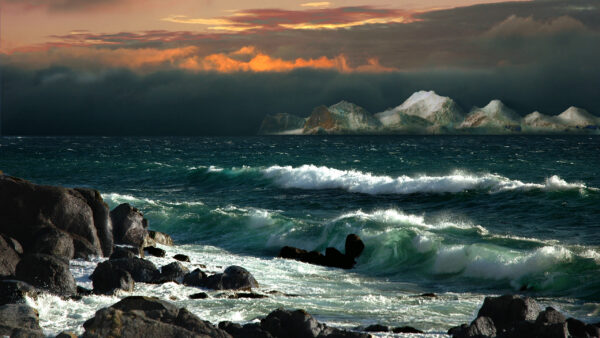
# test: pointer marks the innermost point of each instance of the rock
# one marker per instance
(293, 324)
(173, 272)
(252, 330)
(81, 291)
(556, 330)
(406, 329)
(199, 295)
(139, 316)
(19, 320)
(26, 207)
(312, 257)
(334, 258)
(194, 278)
(54, 242)
(83, 248)
(233, 278)
(480, 327)
(9, 257)
(124, 252)
(129, 225)
(160, 238)
(107, 278)
(141, 270)
(376, 328)
(14, 291)
(251, 295)
(66, 334)
(102, 220)
(182, 258)
(577, 329)
(48, 273)
(154, 251)
(428, 295)
(354, 246)
(14, 244)
(550, 316)
(508, 309)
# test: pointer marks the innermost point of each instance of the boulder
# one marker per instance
(139, 316)
(47, 272)
(199, 295)
(19, 320)
(9, 257)
(173, 272)
(160, 238)
(154, 251)
(66, 334)
(123, 252)
(299, 324)
(252, 330)
(102, 220)
(182, 258)
(141, 270)
(406, 329)
(577, 328)
(233, 278)
(26, 207)
(301, 255)
(15, 291)
(550, 316)
(129, 225)
(505, 310)
(54, 242)
(194, 278)
(334, 258)
(107, 278)
(354, 246)
(376, 328)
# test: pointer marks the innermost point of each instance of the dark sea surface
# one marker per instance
(460, 216)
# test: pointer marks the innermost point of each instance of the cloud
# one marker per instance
(515, 26)
(63, 5)
(316, 4)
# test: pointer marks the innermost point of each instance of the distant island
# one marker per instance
(426, 112)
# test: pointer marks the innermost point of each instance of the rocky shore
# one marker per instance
(43, 228)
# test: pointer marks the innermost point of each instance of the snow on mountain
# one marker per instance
(493, 118)
(440, 111)
(538, 122)
(579, 118)
(342, 117)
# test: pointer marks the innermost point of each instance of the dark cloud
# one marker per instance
(64, 5)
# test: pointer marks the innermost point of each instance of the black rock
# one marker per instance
(505, 310)
(354, 246)
(577, 329)
(199, 295)
(251, 295)
(428, 295)
(107, 278)
(182, 258)
(54, 242)
(140, 269)
(233, 278)
(173, 272)
(406, 329)
(194, 278)
(124, 252)
(480, 327)
(47, 272)
(334, 258)
(9, 257)
(19, 320)
(293, 324)
(15, 291)
(550, 316)
(301, 255)
(102, 220)
(129, 225)
(81, 291)
(154, 251)
(376, 328)
(252, 330)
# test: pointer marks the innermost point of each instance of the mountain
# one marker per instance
(493, 118)
(578, 118)
(340, 118)
(438, 111)
(281, 123)
(538, 122)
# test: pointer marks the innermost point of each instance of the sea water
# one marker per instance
(463, 217)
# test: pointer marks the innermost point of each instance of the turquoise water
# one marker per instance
(461, 216)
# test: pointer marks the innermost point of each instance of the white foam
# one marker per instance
(309, 176)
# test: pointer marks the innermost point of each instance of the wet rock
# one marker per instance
(182, 258)
(376, 328)
(160, 238)
(47, 272)
(301, 255)
(550, 316)
(505, 310)
(354, 246)
(66, 334)
(124, 252)
(9, 257)
(107, 278)
(102, 221)
(577, 329)
(252, 330)
(406, 329)
(173, 272)
(251, 295)
(81, 291)
(154, 251)
(332, 257)
(194, 278)
(233, 278)
(299, 324)
(140, 269)
(199, 295)
(428, 295)
(129, 225)
(480, 327)
(54, 242)
(15, 291)
(19, 320)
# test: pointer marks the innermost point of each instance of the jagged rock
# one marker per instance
(160, 238)
(173, 272)
(15, 291)
(48, 273)
(27, 207)
(107, 278)
(199, 295)
(301, 255)
(102, 221)
(154, 251)
(194, 278)
(406, 329)
(252, 330)
(354, 246)
(182, 258)
(332, 257)
(138, 316)
(54, 242)
(233, 278)
(9, 257)
(124, 252)
(129, 225)
(550, 316)
(507, 309)
(19, 320)
(376, 328)
(140, 269)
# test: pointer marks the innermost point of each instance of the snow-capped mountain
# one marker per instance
(342, 117)
(538, 122)
(493, 118)
(579, 118)
(427, 105)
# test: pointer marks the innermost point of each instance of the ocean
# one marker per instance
(463, 217)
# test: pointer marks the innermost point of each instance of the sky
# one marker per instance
(208, 67)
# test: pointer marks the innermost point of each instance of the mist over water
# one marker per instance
(463, 217)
